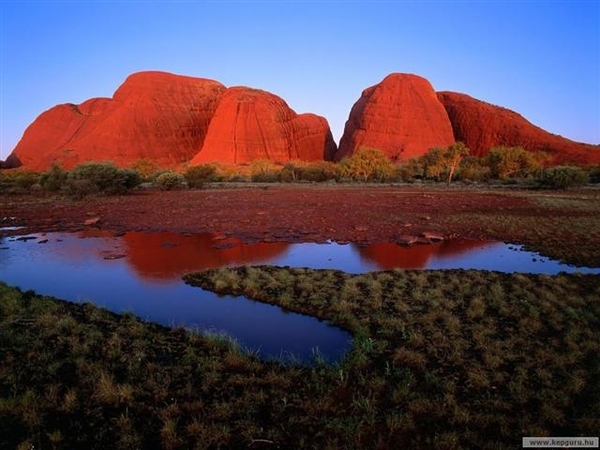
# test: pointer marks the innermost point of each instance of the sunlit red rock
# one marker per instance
(154, 116)
(400, 116)
(482, 126)
(252, 124)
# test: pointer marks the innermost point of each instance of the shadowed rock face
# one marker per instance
(482, 126)
(253, 124)
(401, 116)
(153, 115)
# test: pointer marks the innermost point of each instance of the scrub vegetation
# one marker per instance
(505, 165)
(440, 359)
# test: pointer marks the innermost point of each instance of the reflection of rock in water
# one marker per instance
(169, 255)
(389, 256)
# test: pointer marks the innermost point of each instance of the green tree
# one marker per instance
(433, 163)
(367, 164)
(452, 157)
(511, 162)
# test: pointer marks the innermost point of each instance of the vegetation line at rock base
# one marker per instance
(508, 165)
(441, 359)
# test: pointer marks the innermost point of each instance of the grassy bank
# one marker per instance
(442, 359)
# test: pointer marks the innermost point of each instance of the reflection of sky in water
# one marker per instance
(75, 268)
(325, 256)
(504, 258)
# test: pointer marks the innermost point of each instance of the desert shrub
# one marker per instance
(26, 180)
(196, 176)
(263, 170)
(144, 168)
(168, 181)
(54, 179)
(80, 189)
(320, 171)
(106, 177)
(473, 169)
(291, 171)
(19, 181)
(409, 170)
(132, 178)
(367, 164)
(562, 177)
(511, 162)
(317, 171)
(594, 174)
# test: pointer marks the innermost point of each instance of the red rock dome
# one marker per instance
(155, 116)
(401, 116)
(253, 124)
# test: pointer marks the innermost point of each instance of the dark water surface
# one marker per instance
(141, 273)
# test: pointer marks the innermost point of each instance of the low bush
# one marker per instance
(408, 171)
(594, 174)
(105, 177)
(562, 177)
(473, 169)
(263, 170)
(54, 179)
(18, 181)
(144, 168)
(80, 189)
(196, 176)
(320, 171)
(168, 181)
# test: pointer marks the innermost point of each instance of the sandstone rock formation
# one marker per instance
(171, 119)
(401, 116)
(482, 126)
(253, 124)
(155, 116)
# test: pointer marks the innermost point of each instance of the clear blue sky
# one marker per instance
(539, 58)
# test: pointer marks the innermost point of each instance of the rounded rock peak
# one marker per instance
(401, 116)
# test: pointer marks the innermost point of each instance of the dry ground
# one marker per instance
(560, 224)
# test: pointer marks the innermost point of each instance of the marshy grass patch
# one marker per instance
(440, 359)
(509, 342)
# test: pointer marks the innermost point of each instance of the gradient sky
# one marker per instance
(539, 58)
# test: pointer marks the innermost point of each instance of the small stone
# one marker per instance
(91, 221)
(432, 237)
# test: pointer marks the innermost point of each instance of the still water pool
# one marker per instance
(141, 273)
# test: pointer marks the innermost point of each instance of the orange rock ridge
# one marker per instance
(482, 126)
